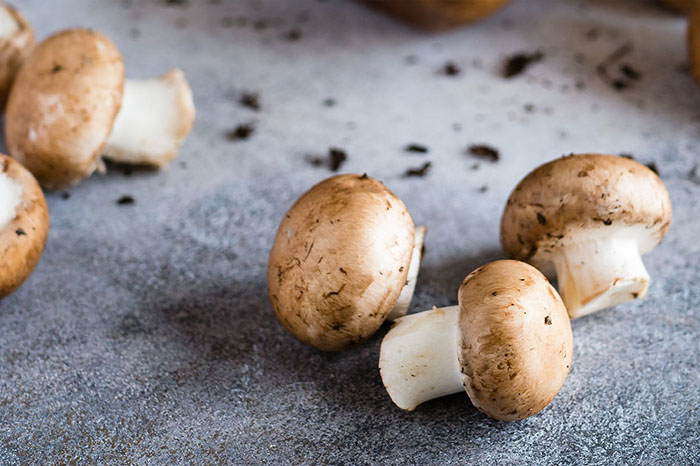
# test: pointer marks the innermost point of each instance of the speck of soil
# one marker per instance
(335, 159)
(630, 72)
(20, 232)
(329, 102)
(627, 155)
(418, 171)
(483, 189)
(126, 200)
(451, 69)
(485, 152)
(417, 148)
(250, 100)
(653, 167)
(176, 2)
(517, 64)
(548, 320)
(541, 219)
(626, 72)
(293, 35)
(241, 132)
(65, 195)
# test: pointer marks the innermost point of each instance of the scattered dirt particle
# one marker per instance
(630, 72)
(20, 232)
(176, 2)
(56, 69)
(541, 219)
(519, 63)
(548, 320)
(484, 151)
(335, 159)
(329, 102)
(417, 148)
(483, 189)
(293, 35)
(241, 132)
(451, 69)
(419, 171)
(653, 167)
(627, 155)
(603, 69)
(250, 100)
(126, 200)
(65, 195)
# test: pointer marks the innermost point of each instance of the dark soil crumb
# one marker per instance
(519, 63)
(126, 200)
(548, 320)
(451, 69)
(335, 159)
(694, 176)
(652, 166)
(541, 219)
(627, 155)
(483, 189)
(20, 232)
(417, 148)
(241, 132)
(65, 195)
(623, 81)
(418, 172)
(484, 151)
(329, 102)
(176, 2)
(293, 35)
(250, 100)
(529, 108)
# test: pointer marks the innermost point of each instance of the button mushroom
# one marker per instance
(16, 42)
(345, 258)
(508, 344)
(439, 14)
(24, 224)
(70, 105)
(590, 216)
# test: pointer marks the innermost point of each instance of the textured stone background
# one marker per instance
(145, 335)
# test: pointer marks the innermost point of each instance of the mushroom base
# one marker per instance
(156, 117)
(599, 273)
(418, 360)
(404, 301)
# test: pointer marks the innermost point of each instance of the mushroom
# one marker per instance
(345, 258)
(438, 14)
(70, 106)
(508, 344)
(591, 217)
(24, 224)
(16, 42)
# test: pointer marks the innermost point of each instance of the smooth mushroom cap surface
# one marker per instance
(516, 342)
(63, 104)
(438, 14)
(16, 43)
(339, 261)
(580, 192)
(24, 224)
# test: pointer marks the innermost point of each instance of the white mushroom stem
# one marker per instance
(155, 118)
(418, 359)
(404, 301)
(10, 198)
(8, 22)
(600, 272)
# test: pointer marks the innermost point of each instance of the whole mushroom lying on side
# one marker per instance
(16, 43)
(345, 258)
(70, 106)
(438, 14)
(590, 216)
(24, 224)
(508, 344)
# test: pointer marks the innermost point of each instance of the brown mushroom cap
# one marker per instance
(23, 238)
(339, 261)
(516, 342)
(438, 14)
(13, 51)
(63, 104)
(580, 192)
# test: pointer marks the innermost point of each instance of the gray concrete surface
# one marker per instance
(145, 335)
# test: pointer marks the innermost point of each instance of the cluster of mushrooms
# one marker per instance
(68, 106)
(346, 258)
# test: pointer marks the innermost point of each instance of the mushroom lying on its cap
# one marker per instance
(508, 344)
(438, 14)
(16, 43)
(24, 224)
(70, 105)
(344, 258)
(591, 216)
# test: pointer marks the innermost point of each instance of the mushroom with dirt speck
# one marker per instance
(590, 217)
(24, 224)
(345, 258)
(16, 43)
(508, 344)
(70, 105)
